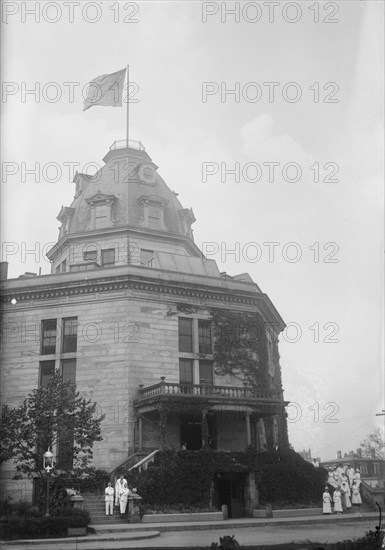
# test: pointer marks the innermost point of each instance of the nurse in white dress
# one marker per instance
(327, 502)
(337, 502)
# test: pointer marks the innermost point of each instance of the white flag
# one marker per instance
(105, 90)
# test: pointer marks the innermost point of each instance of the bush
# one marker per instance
(287, 478)
(56, 526)
(6, 507)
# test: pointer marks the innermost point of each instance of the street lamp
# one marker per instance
(47, 465)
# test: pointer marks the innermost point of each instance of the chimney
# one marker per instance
(3, 271)
(359, 452)
(339, 455)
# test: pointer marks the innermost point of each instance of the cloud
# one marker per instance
(259, 141)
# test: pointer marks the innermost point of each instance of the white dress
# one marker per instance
(356, 497)
(337, 501)
(327, 506)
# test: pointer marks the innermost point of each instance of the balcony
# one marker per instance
(150, 397)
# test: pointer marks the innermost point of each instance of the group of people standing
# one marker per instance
(121, 493)
(342, 489)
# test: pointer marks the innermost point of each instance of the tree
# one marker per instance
(53, 416)
(374, 445)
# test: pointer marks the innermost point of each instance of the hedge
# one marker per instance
(31, 527)
(286, 478)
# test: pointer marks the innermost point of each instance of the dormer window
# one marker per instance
(101, 210)
(154, 217)
(101, 216)
(153, 212)
(64, 217)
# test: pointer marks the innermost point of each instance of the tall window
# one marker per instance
(48, 338)
(47, 369)
(154, 217)
(185, 335)
(204, 336)
(101, 216)
(186, 371)
(108, 257)
(70, 335)
(206, 372)
(68, 370)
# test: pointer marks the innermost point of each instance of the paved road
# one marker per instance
(274, 534)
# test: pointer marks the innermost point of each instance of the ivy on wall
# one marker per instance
(185, 477)
(240, 346)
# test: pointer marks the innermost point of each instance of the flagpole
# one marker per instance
(127, 126)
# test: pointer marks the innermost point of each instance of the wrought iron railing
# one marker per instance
(122, 144)
(206, 390)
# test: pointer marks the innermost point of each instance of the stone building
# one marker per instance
(147, 327)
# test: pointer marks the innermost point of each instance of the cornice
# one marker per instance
(65, 285)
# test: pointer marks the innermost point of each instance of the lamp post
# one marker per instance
(47, 465)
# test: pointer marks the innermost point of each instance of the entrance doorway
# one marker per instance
(229, 489)
(191, 431)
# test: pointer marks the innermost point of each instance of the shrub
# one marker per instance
(6, 507)
(56, 526)
(288, 478)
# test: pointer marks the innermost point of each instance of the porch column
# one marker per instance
(248, 432)
(140, 433)
(163, 427)
(205, 430)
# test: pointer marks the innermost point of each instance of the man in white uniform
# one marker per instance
(118, 488)
(109, 498)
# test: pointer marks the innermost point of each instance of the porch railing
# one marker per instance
(206, 390)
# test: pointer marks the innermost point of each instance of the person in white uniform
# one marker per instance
(123, 498)
(109, 499)
(337, 502)
(118, 487)
(327, 502)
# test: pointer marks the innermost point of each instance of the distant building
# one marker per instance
(306, 455)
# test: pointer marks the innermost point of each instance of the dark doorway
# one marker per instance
(191, 431)
(229, 488)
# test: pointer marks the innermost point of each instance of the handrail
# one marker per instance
(146, 460)
(132, 144)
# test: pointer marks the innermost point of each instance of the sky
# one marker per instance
(268, 122)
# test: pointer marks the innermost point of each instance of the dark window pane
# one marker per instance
(185, 335)
(206, 372)
(68, 370)
(186, 371)
(48, 340)
(70, 335)
(108, 256)
(205, 340)
(47, 369)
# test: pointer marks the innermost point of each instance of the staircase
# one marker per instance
(95, 504)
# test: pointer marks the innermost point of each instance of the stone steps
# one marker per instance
(95, 504)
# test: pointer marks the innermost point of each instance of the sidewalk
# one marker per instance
(184, 534)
